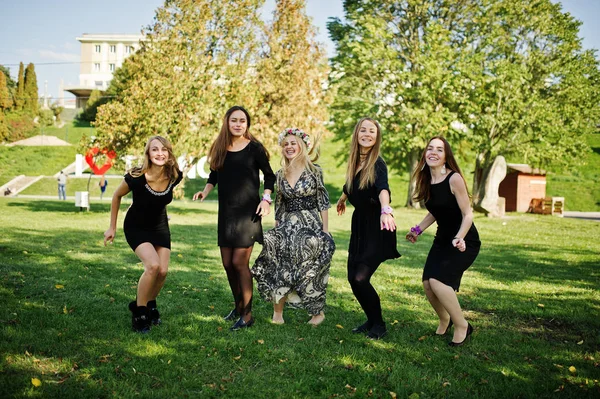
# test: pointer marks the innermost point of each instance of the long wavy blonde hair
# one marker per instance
(305, 157)
(171, 168)
(367, 176)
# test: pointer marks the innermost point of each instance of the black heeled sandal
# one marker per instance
(469, 332)
(447, 329)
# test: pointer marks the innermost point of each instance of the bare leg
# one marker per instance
(164, 255)
(448, 299)
(438, 307)
(151, 260)
(278, 311)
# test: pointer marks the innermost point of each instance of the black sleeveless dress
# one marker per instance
(445, 263)
(368, 243)
(146, 219)
(239, 183)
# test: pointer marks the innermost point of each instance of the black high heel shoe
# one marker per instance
(232, 315)
(469, 332)
(447, 329)
(242, 324)
(363, 328)
(378, 331)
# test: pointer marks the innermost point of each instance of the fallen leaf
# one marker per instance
(350, 387)
(25, 252)
(540, 305)
(179, 255)
(65, 310)
(339, 326)
(59, 286)
(580, 342)
(211, 307)
(237, 357)
(413, 395)
(423, 338)
(394, 322)
(341, 341)
(36, 382)
(445, 384)
(261, 341)
(393, 395)
(572, 370)
(169, 362)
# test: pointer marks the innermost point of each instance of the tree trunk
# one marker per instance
(413, 160)
(486, 182)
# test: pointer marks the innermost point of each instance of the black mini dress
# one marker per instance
(239, 184)
(368, 243)
(146, 219)
(445, 263)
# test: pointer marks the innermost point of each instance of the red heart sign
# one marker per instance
(89, 158)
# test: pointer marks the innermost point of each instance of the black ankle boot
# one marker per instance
(363, 328)
(378, 331)
(154, 315)
(140, 320)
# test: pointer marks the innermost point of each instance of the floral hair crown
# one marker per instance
(295, 132)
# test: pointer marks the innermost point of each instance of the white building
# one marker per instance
(101, 55)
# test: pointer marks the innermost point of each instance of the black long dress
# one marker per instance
(239, 183)
(445, 263)
(368, 243)
(146, 219)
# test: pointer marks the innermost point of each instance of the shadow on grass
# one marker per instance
(65, 320)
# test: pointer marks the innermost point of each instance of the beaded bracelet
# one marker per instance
(387, 210)
(267, 198)
(417, 230)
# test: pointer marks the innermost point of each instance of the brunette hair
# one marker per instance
(422, 174)
(218, 149)
(171, 168)
(367, 176)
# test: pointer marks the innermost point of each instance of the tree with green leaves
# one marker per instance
(5, 97)
(20, 93)
(396, 62)
(291, 75)
(532, 92)
(196, 61)
(31, 103)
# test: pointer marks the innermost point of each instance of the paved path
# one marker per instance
(583, 215)
(40, 141)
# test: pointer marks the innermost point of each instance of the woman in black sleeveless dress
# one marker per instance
(373, 231)
(236, 158)
(146, 227)
(441, 185)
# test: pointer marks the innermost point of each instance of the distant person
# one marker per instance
(373, 229)
(146, 226)
(440, 183)
(62, 186)
(102, 184)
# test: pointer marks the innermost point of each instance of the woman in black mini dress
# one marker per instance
(440, 183)
(373, 231)
(146, 227)
(236, 158)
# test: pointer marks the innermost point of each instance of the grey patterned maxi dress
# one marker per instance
(296, 255)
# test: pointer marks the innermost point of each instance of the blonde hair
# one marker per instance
(171, 168)
(367, 176)
(305, 157)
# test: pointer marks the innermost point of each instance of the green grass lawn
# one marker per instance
(532, 295)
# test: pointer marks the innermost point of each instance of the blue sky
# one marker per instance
(45, 32)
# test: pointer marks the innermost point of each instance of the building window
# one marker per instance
(111, 67)
(96, 67)
(113, 48)
(98, 48)
(98, 83)
(128, 49)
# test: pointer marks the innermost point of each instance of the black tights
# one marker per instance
(236, 263)
(359, 277)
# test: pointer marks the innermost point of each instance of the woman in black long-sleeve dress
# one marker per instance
(146, 226)
(456, 243)
(236, 158)
(373, 231)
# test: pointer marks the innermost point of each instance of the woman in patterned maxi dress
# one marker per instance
(294, 263)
